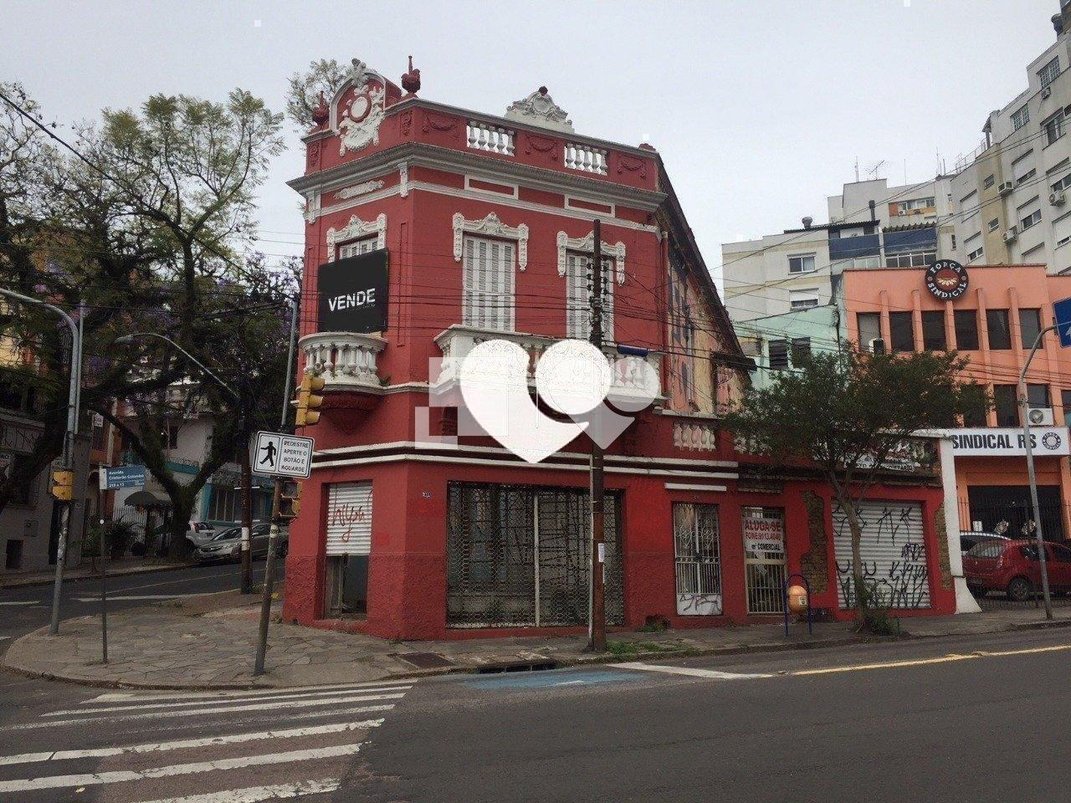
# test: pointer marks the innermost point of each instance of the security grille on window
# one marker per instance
(1020, 118)
(698, 559)
(487, 284)
(1048, 73)
(578, 280)
(801, 263)
(357, 247)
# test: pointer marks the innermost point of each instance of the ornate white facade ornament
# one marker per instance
(312, 206)
(540, 109)
(359, 119)
(403, 180)
(492, 227)
(356, 229)
(587, 245)
(360, 189)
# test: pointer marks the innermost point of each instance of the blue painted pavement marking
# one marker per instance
(548, 679)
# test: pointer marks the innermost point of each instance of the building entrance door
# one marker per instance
(764, 558)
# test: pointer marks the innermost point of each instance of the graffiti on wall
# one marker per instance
(698, 604)
(892, 552)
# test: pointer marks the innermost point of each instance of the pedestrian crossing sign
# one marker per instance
(283, 455)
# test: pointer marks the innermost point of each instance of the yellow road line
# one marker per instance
(928, 661)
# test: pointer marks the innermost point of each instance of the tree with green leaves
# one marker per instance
(324, 77)
(147, 218)
(846, 414)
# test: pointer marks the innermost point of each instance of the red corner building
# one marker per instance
(431, 229)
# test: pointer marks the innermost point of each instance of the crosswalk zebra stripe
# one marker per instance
(194, 768)
(135, 705)
(134, 696)
(338, 712)
(183, 744)
(255, 794)
(206, 711)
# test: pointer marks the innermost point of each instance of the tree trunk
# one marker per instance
(860, 595)
(181, 510)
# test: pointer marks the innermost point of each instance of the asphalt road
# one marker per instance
(972, 718)
(26, 609)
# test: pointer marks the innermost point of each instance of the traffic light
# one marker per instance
(308, 400)
(63, 484)
(290, 499)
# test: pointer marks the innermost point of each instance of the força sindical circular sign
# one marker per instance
(946, 279)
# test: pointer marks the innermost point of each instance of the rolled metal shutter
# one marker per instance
(892, 550)
(349, 518)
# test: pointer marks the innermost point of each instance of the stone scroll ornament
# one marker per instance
(361, 111)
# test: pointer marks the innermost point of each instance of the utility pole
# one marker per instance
(597, 620)
(247, 518)
(1024, 411)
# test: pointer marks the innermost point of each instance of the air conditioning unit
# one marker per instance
(1005, 187)
(1046, 92)
(1011, 234)
(876, 346)
(1057, 197)
(1039, 416)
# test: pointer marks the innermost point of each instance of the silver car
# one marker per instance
(227, 546)
(200, 532)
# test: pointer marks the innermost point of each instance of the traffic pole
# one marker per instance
(269, 579)
(246, 585)
(103, 592)
(597, 623)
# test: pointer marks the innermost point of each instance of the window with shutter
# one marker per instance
(487, 284)
(578, 296)
(357, 247)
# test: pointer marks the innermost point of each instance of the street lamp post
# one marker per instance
(246, 482)
(73, 393)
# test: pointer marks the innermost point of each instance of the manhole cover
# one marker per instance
(425, 660)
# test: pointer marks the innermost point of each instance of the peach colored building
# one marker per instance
(993, 323)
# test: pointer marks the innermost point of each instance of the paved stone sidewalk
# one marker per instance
(209, 642)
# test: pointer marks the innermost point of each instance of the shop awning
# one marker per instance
(146, 499)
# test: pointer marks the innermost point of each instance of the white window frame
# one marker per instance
(976, 254)
(357, 247)
(487, 284)
(803, 298)
(355, 230)
(492, 227)
(1048, 73)
(802, 257)
(1020, 117)
(1053, 127)
(1030, 220)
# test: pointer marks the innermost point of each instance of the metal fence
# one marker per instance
(520, 556)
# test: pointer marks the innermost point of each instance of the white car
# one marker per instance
(200, 532)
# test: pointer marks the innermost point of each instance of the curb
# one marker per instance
(6, 585)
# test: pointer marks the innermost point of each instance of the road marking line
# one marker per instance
(690, 672)
(15, 602)
(225, 709)
(195, 768)
(285, 696)
(341, 712)
(255, 794)
(133, 696)
(183, 744)
(134, 597)
(928, 661)
(1026, 651)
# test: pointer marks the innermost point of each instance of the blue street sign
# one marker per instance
(1062, 311)
(123, 477)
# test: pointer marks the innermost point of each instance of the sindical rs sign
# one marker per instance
(352, 294)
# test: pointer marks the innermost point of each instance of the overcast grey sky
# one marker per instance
(759, 107)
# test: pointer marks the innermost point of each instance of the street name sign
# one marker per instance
(283, 455)
(122, 477)
(1061, 310)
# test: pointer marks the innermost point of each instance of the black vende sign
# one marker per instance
(353, 294)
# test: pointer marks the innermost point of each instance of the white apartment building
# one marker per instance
(1010, 192)
(871, 225)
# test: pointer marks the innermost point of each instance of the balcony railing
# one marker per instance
(493, 138)
(627, 379)
(344, 359)
(698, 435)
(586, 158)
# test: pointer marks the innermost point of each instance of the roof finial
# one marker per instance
(411, 79)
(320, 112)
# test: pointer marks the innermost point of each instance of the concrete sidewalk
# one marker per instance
(209, 642)
(87, 571)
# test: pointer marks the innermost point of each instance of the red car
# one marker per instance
(1013, 567)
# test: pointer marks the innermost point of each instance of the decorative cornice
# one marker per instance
(356, 229)
(403, 180)
(492, 227)
(587, 244)
(540, 109)
(359, 189)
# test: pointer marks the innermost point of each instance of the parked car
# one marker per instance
(200, 532)
(1013, 567)
(227, 545)
(968, 539)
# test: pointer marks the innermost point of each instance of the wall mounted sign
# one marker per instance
(353, 294)
(946, 279)
(1008, 442)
